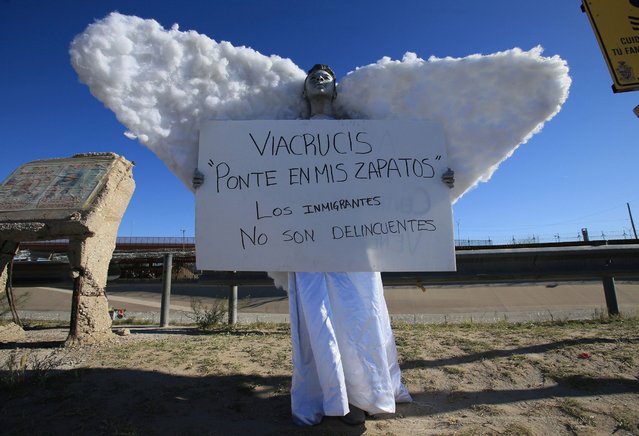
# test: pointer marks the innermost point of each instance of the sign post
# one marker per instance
(616, 26)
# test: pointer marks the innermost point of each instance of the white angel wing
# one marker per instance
(161, 84)
(488, 105)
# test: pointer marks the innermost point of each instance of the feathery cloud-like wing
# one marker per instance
(488, 105)
(161, 84)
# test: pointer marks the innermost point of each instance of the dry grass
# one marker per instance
(508, 379)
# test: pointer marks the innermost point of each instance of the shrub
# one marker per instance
(208, 316)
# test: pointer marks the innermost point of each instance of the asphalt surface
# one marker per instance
(513, 302)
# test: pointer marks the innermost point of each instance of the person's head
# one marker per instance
(320, 82)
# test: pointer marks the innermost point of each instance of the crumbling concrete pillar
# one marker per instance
(7, 252)
(89, 257)
(89, 262)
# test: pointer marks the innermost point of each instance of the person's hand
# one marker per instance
(449, 178)
(198, 178)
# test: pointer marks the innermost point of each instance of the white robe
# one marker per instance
(343, 346)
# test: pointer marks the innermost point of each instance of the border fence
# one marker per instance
(187, 243)
(583, 236)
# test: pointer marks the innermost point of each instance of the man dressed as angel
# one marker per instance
(344, 355)
(164, 84)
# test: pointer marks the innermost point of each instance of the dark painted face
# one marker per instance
(319, 83)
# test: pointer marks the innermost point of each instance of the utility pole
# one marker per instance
(183, 240)
(632, 221)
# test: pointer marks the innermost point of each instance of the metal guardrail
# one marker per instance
(158, 240)
(534, 264)
(603, 262)
(123, 244)
(496, 266)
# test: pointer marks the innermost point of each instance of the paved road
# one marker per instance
(515, 302)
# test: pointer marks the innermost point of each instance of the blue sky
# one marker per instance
(580, 171)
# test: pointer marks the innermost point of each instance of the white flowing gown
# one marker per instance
(343, 346)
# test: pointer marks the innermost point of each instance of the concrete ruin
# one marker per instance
(82, 199)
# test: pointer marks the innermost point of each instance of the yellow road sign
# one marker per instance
(616, 25)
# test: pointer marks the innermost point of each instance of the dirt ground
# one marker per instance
(517, 379)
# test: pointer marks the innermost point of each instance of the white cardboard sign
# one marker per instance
(323, 195)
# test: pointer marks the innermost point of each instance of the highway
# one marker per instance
(514, 302)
